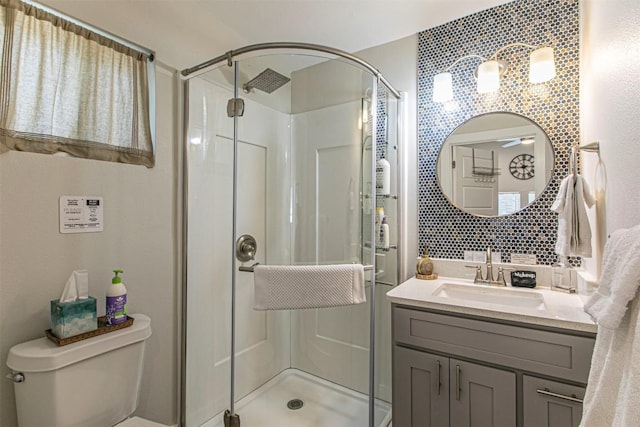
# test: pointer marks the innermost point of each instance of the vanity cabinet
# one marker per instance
(420, 388)
(433, 390)
(458, 371)
(551, 403)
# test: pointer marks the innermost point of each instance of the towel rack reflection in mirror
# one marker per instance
(250, 268)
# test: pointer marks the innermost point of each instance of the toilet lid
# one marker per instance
(138, 422)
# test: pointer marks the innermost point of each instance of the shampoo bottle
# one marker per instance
(378, 224)
(116, 311)
(384, 233)
(383, 177)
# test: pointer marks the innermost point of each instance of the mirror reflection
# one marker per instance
(495, 164)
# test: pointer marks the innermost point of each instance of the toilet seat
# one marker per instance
(138, 422)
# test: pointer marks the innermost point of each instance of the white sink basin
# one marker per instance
(484, 294)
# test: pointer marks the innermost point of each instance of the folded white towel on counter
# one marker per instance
(286, 287)
(612, 392)
(619, 279)
(574, 231)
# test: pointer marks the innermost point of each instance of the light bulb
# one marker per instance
(542, 66)
(442, 87)
(488, 77)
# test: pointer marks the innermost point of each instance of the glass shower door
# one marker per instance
(209, 196)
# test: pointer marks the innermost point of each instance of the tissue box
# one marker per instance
(73, 318)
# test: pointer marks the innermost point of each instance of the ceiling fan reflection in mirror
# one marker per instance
(510, 142)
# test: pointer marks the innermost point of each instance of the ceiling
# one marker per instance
(185, 33)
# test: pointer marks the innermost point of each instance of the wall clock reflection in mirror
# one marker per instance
(522, 166)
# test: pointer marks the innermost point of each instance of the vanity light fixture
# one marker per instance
(542, 68)
(542, 65)
(443, 82)
(442, 87)
(488, 76)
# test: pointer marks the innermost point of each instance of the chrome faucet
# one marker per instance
(489, 265)
(488, 279)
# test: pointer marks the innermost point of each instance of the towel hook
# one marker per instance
(574, 160)
(592, 147)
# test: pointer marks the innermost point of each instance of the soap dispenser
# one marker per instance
(562, 277)
(116, 311)
(424, 267)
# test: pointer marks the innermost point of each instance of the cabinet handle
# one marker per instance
(439, 382)
(572, 398)
(457, 382)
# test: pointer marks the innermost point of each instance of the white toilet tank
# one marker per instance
(94, 382)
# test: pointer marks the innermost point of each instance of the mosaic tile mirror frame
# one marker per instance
(553, 105)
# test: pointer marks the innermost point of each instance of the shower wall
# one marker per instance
(329, 123)
(331, 343)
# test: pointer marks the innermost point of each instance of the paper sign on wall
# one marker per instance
(81, 214)
(528, 259)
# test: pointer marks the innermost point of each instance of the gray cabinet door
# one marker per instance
(420, 389)
(482, 394)
(551, 404)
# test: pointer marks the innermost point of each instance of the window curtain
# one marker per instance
(64, 88)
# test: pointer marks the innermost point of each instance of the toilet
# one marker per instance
(93, 382)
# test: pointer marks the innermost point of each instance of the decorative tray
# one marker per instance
(103, 328)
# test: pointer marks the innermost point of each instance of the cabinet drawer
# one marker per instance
(550, 403)
(549, 353)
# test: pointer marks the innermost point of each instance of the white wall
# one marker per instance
(611, 107)
(140, 237)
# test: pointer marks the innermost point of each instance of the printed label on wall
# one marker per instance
(81, 214)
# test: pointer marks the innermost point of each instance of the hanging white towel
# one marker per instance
(286, 287)
(619, 279)
(612, 392)
(574, 231)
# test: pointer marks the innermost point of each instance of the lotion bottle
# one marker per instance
(383, 177)
(116, 311)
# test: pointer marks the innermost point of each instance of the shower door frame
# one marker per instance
(231, 59)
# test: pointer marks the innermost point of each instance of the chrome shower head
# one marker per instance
(267, 81)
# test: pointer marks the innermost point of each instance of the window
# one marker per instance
(508, 203)
(65, 88)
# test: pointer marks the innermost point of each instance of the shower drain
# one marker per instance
(295, 404)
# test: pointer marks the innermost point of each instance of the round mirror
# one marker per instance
(495, 164)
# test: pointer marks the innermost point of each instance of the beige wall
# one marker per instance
(139, 237)
(610, 107)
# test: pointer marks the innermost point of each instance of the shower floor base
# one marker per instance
(325, 404)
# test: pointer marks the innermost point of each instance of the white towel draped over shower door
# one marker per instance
(574, 231)
(613, 389)
(286, 287)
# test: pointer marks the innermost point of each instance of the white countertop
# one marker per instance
(560, 310)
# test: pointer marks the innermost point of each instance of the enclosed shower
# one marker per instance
(281, 143)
